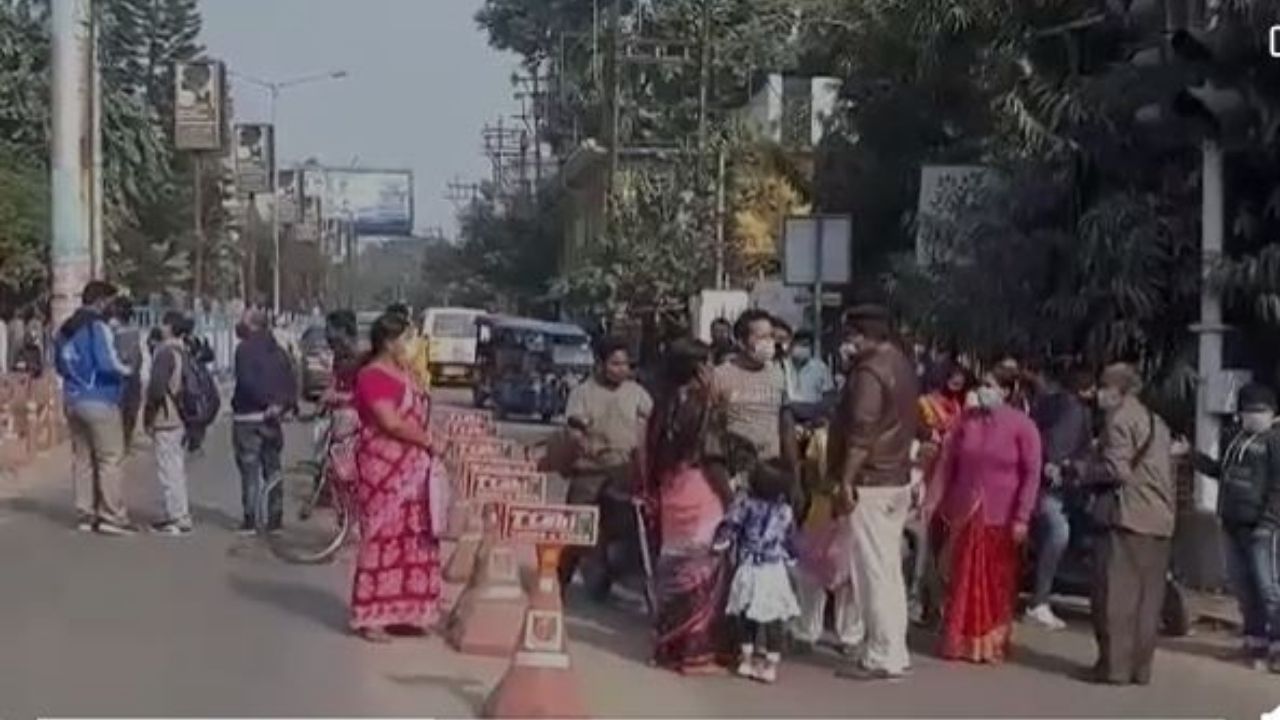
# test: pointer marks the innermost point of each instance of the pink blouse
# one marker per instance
(990, 462)
(374, 385)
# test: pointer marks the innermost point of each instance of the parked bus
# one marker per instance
(453, 343)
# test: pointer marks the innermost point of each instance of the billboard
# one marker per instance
(255, 159)
(289, 190)
(379, 202)
(199, 89)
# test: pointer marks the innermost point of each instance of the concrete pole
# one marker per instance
(1210, 328)
(97, 189)
(70, 255)
(275, 209)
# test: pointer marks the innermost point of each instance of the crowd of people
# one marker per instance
(759, 523)
(773, 484)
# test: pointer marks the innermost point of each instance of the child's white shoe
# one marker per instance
(747, 665)
(766, 670)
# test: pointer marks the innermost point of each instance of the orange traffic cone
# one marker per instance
(487, 617)
(540, 681)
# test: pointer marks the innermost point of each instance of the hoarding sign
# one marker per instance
(290, 196)
(379, 202)
(199, 89)
(551, 524)
(495, 483)
(817, 250)
(255, 159)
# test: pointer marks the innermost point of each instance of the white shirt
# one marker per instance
(810, 383)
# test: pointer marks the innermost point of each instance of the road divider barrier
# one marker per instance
(31, 418)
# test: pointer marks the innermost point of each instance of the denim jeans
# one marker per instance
(1054, 534)
(1255, 578)
(258, 446)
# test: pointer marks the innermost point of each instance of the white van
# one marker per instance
(452, 332)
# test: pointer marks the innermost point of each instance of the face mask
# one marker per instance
(801, 353)
(848, 350)
(764, 350)
(988, 398)
(1256, 422)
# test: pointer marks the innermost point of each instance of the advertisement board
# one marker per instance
(199, 92)
(379, 202)
(490, 483)
(551, 524)
(255, 159)
(289, 190)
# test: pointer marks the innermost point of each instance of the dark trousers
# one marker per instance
(1252, 554)
(1129, 589)
(584, 489)
(130, 406)
(258, 446)
(763, 637)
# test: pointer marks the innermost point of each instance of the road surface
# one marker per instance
(211, 625)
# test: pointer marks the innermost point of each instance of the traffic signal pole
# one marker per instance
(71, 257)
(1210, 328)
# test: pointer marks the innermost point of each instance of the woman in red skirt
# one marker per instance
(989, 476)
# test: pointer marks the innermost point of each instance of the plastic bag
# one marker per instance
(823, 546)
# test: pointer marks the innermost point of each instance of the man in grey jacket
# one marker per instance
(1136, 512)
(164, 422)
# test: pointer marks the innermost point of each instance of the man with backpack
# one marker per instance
(93, 380)
(163, 419)
(266, 388)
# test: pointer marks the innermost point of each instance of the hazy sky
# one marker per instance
(422, 83)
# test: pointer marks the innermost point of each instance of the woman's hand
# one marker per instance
(1019, 532)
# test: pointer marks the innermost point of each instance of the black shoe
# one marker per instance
(248, 527)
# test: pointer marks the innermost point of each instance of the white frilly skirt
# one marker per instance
(762, 593)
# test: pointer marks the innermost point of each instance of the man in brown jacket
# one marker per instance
(870, 455)
(1137, 516)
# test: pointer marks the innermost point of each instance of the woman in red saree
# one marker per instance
(989, 476)
(690, 494)
(397, 578)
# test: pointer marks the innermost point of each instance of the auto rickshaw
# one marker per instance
(525, 365)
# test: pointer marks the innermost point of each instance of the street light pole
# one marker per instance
(273, 89)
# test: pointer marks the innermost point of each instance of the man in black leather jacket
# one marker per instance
(1249, 507)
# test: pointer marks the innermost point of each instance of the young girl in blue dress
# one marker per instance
(759, 530)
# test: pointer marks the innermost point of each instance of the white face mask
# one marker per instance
(1256, 422)
(988, 398)
(848, 350)
(764, 350)
(801, 353)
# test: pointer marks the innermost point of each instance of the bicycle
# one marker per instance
(322, 528)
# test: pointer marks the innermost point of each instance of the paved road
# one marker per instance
(212, 626)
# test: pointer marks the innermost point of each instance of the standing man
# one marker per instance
(128, 340)
(607, 415)
(870, 453)
(93, 378)
(721, 340)
(164, 422)
(751, 390)
(266, 387)
(809, 381)
(1066, 432)
(1136, 512)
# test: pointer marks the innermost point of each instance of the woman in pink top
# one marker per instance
(988, 476)
(690, 494)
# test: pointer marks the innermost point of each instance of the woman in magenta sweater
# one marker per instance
(989, 476)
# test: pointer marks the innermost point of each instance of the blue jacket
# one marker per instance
(264, 376)
(86, 360)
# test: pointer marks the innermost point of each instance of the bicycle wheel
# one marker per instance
(319, 528)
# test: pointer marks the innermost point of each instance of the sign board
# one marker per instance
(477, 423)
(817, 249)
(378, 202)
(254, 159)
(490, 483)
(289, 196)
(199, 97)
(551, 524)
(711, 305)
(495, 465)
(473, 448)
(308, 227)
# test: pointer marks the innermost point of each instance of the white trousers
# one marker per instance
(812, 595)
(878, 603)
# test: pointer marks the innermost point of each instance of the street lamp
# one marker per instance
(274, 89)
